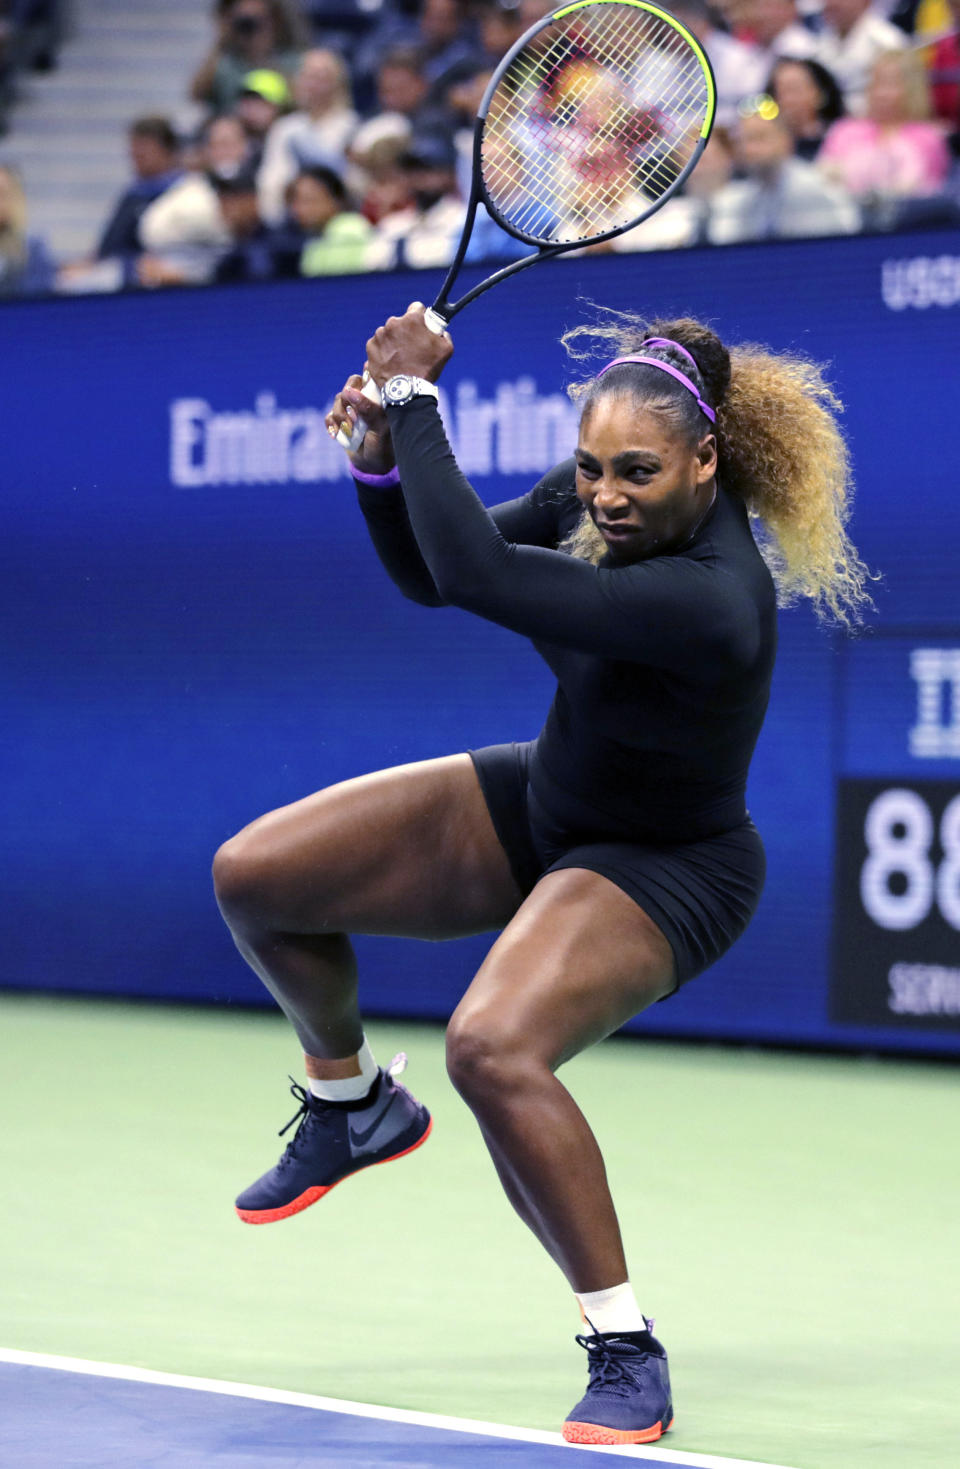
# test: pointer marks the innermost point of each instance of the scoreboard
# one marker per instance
(896, 910)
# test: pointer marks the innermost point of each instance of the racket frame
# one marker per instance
(445, 309)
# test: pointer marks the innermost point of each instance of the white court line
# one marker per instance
(363, 1410)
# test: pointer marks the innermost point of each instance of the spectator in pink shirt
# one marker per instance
(894, 152)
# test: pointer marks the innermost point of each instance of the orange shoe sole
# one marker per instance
(596, 1433)
(311, 1195)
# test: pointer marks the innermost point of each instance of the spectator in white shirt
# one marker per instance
(183, 232)
(318, 133)
(781, 197)
(684, 219)
(852, 39)
(739, 69)
(777, 30)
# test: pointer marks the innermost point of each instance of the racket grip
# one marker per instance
(353, 441)
(434, 321)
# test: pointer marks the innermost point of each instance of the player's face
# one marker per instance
(643, 487)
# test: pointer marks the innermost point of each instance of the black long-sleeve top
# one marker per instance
(663, 666)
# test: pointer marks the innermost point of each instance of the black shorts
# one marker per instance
(701, 894)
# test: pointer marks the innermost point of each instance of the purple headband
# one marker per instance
(681, 377)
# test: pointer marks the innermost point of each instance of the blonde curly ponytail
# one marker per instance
(782, 451)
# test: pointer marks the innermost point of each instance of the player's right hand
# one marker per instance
(375, 455)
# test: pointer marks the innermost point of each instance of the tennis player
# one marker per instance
(615, 851)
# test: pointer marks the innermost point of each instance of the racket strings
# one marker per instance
(593, 121)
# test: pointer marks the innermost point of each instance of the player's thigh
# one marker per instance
(578, 959)
(408, 851)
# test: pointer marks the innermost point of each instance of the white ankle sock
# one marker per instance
(348, 1088)
(615, 1309)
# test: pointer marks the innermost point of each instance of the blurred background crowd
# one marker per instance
(147, 143)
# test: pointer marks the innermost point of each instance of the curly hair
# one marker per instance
(780, 449)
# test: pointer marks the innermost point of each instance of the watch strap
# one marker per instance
(421, 389)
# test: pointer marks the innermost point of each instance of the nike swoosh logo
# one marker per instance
(358, 1137)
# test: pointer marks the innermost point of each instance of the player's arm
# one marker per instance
(393, 540)
(669, 611)
(382, 503)
(531, 519)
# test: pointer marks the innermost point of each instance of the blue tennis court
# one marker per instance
(88, 1415)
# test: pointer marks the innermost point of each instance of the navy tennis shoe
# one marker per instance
(333, 1140)
(628, 1396)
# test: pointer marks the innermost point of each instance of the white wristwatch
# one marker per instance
(403, 389)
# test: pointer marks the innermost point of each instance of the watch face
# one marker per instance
(399, 389)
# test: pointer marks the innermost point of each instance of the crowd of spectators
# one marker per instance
(334, 136)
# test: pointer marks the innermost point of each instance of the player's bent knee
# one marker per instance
(266, 878)
(483, 1058)
(246, 881)
(233, 879)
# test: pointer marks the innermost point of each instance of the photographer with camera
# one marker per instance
(252, 35)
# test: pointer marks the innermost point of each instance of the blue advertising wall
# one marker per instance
(195, 628)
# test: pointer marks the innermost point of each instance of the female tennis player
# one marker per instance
(615, 852)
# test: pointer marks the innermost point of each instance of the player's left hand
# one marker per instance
(375, 454)
(406, 344)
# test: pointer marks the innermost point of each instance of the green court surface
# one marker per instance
(792, 1222)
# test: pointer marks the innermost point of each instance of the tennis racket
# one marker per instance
(591, 121)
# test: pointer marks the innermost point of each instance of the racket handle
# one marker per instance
(436, 323)
(353, 441)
